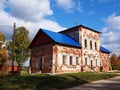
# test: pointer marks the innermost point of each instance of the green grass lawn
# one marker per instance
(50, 82)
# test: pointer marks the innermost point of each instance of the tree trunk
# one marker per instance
(19, 69)
(1, 73)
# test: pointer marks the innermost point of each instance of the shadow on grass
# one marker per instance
(49, 82)
(36, 82)
(58, 82)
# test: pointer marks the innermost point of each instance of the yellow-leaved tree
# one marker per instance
(3, 54)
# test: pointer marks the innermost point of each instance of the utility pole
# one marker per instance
(13, 51)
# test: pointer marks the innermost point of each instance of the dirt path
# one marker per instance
(109, 84)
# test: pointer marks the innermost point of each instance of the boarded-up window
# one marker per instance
(77, 61)
(64, 59)
(95, 46)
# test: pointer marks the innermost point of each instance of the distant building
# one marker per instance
(76, 49)
(9, 64)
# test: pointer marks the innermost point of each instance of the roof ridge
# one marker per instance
(81, 26)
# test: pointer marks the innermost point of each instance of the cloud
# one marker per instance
(111, 37)
(2, 4)
(66, 4)
(30, 10)
(79, 8)
(69, 5)
(111, 33)
(30, 22)
(113, 22)
(33, 27)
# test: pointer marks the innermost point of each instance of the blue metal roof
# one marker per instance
(104, 49)
(61, 38)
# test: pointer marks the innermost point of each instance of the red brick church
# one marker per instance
(76, 49)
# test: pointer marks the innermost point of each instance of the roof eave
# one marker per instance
(106, 52)
(68, 45)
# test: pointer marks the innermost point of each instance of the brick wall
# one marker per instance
(105, 61)
(59, 66)
(46, 52)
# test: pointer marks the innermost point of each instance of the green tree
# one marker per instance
(22, 42)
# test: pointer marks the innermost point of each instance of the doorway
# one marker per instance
(40, 63)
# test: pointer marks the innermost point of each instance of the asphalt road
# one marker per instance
(108, 84)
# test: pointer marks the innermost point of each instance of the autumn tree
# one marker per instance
(119, 57)
(2, 39)
(118, 62)
(3, 54)
(2, 60)
(115, 62)
(21, 45)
